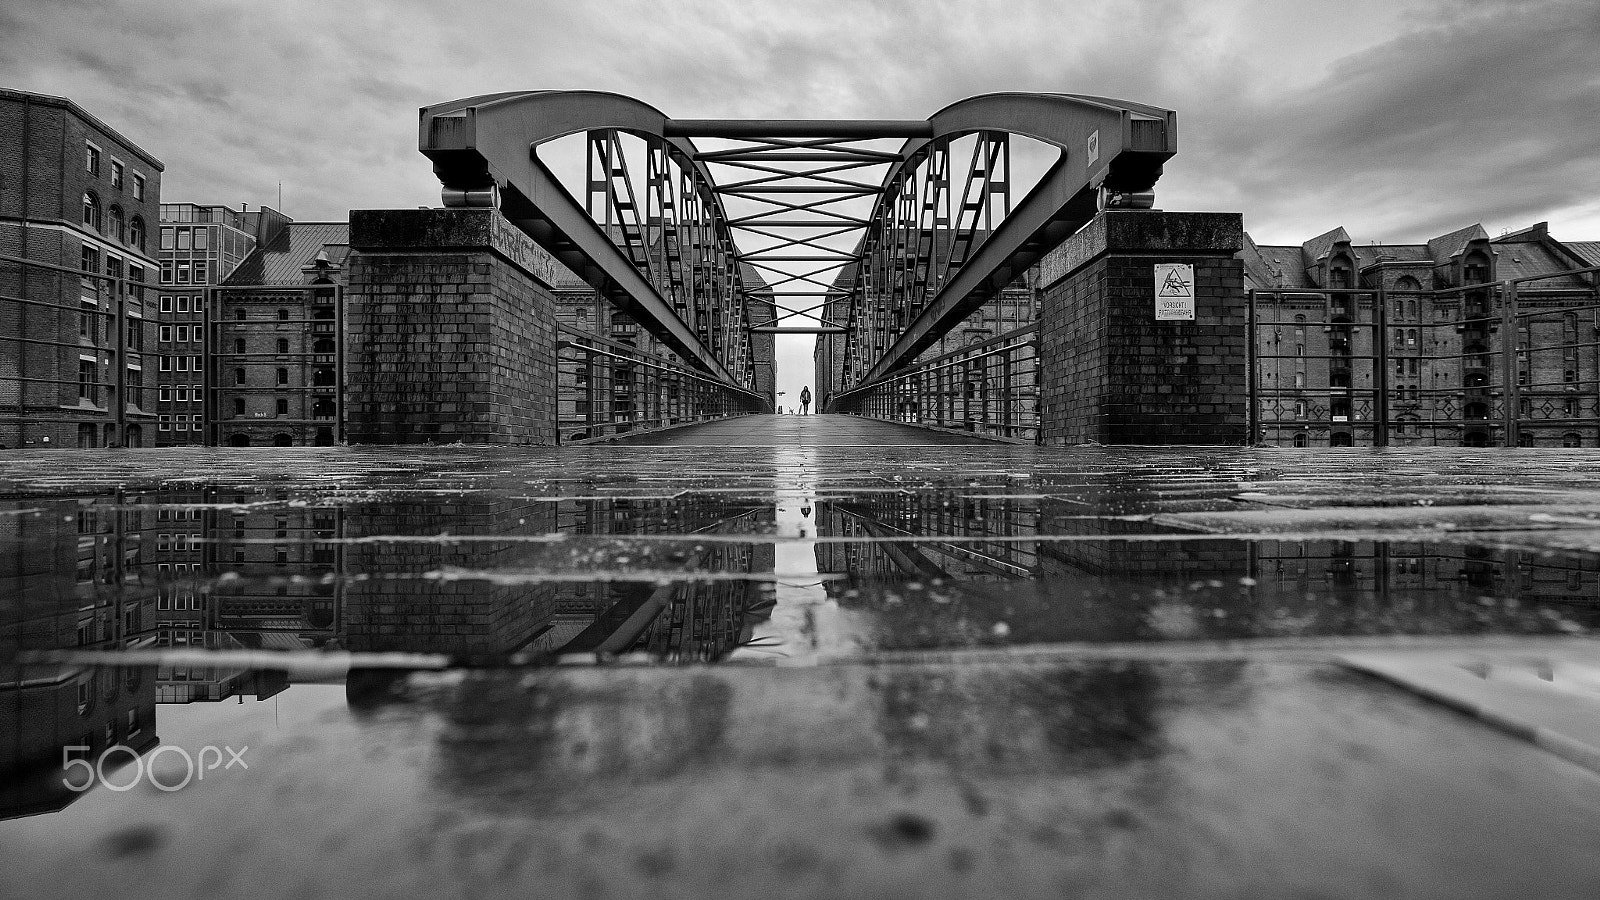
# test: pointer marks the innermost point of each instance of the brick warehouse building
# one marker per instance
(201, 245)
(1407, 344)
(78, 206)
(275, 329)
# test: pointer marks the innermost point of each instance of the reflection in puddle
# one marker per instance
(200, 581)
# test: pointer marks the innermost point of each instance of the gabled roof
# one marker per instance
(1373, 254)
(1444, 247)
(1319, 246)
(1267, 267)
(283, 259)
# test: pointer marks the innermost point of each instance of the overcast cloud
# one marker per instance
(1397, 120)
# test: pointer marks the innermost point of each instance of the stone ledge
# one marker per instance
(458, 230)
(1143, 233)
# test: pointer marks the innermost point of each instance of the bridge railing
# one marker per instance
(989, 389)
(1504, 363)
(606, 388)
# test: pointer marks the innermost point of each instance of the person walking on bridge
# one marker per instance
(805, 401)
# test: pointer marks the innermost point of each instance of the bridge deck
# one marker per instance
(800, 431)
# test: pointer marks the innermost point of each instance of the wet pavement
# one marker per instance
(800, 656)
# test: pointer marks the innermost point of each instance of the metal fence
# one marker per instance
(1506, 363)
(607, 387)
(990, 389)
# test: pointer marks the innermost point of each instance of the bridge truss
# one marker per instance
(887, 233)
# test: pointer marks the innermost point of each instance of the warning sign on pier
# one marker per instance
(1174, 292)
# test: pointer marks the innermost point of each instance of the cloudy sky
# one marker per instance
(1398, 119)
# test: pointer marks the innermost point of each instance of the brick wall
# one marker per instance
(1109, 372)
(451, 330)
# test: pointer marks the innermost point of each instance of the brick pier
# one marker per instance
(1110, 372)
(452, 330)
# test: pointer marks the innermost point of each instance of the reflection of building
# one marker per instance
(1409, 342)
(71, 580)
(78, 204)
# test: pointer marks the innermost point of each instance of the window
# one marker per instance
(283, 315)
(91, 210)
(322, 377)
(283, 406)
(166, 303)
(166, 273)
(166, 238)
(166, 364)
(239, 314)
(164, 394)
(195, 362)
(116, 174)
(238, 406)
(88, 381)
(138, 186)
(183, 334)
(164, 334)
(119, 225)
(183, 304)
(183, 273)
(183, 364)
(283, 345)
(1572, 439)
(238, 376)
(91, 159)
(323, 345)
(183, 395)
(165, 423)
(183, 238)
(283, 376)
(1301, 439)
(238, 345)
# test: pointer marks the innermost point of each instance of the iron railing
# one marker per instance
(607, 388)
(1375, 367)
(990, 389)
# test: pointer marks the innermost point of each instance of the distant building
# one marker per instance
(275, 376)
(1407, 344)
(78, 203)
(200, 246)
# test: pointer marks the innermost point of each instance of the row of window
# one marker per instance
(186, 272)
(183, 303)
(180, 394)
(179, 423)
(125, 230)
(181, 364)
(177, 541)
(119, 171)
(185, 333)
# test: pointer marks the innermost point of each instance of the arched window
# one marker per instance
(1475, 439)
(1301, 439)
(322, 378)
(1340, 439)
(282, 439)
(1524, 439)
(1572, 439)
(119, 224)
(136, 235)
(1407, 283)
(283, 376)
(238, 377)
(239, 440)
(323, 345)
(91, 210)
(1477, 411)
(323, 408)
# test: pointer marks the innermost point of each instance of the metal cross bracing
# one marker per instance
(885, 233)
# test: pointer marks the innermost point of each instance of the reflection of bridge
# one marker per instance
(885, 239)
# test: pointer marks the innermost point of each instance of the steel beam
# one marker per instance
(852, 129)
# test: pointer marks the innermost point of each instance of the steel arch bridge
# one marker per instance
(887, 232)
